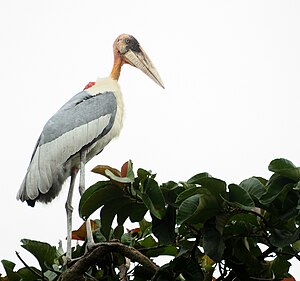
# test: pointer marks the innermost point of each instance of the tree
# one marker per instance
(246, 231)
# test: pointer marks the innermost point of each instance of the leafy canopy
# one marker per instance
(247, 230)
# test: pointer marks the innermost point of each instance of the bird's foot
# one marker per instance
(67, 262)
(90, 246)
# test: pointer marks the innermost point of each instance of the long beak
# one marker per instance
(141, 61)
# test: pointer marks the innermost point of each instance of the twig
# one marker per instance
(90, 276)
(223, 271)
(264, 254)
(30, 269)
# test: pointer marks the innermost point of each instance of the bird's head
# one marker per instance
(128, 49)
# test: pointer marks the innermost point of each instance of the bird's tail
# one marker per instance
(58, 178)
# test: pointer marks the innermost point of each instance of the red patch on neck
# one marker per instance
(89, 85)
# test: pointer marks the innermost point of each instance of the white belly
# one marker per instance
(105, 85)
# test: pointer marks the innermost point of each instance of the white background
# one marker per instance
(231, 103)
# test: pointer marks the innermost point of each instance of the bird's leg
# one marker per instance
(89, 234)
(69, 210)
(82, 171)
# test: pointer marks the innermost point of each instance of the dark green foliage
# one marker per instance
(44, 253)
(213, 243)
(247, 230)
(24, 273)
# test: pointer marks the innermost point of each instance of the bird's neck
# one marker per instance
(116, 70)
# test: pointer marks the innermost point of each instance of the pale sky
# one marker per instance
(231, 104)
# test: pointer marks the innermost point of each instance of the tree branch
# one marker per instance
(77, 270)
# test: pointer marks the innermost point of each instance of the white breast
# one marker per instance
(107, 85)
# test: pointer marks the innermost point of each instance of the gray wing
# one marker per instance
(79, 111)
(80, 122)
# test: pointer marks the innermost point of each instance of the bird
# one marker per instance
(80, 130)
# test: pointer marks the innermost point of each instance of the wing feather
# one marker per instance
(80, 122)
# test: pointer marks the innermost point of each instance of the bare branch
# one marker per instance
(97, 255)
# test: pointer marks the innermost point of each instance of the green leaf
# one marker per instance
(135, 211)
(130, 172)
(124, 212)
(290, 200)
(240, 197)
(43, 252)
(239, 228)
(283, 237)
(138, 213)
(164, 229)
(186, 185)
(280, 266)
(108, 212)
(280, 164)
(188, 208)
(50, 275)
(216, 187)
(213, 243)
(240, 249)
(97, 235)
(143, 174)
(97, 195)
(160, 251)
(296, 246)
(185, 246)
(186, 194)
(285, 168)
(127, 239)
(198, 208)
(9, 269)
(189, 268)
(170, 191)
(171, 185)
(148, 242)
(118, 232)
(153, 198)
(197, 179)
(250, 219)
(276, 185)
(201, 203)
(24, 274)
(221, 220)
(254, 187)
(146, 227)
(118, 179)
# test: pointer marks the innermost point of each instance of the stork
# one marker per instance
(79, 130)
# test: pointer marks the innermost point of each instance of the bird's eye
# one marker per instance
(127, 41)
